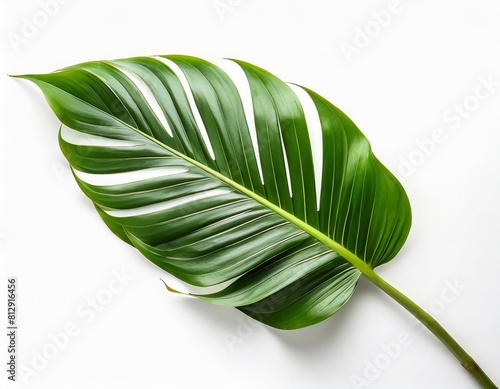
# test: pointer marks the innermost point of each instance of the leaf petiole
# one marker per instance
(433, 326)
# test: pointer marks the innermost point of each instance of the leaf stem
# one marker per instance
(427, 320)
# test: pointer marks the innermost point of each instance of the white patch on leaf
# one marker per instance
(166, 204)
(132, 176)
(287, 169)
(237, 75)
(82, 139)
(315, 135)
(147, 94)
(194, 109)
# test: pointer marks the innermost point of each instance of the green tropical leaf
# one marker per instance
(223, 191)
(214, 194)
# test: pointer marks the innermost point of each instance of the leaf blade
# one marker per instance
(279, 248)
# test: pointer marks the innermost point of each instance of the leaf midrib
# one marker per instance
(335, 246)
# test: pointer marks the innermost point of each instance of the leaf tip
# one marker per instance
(29, 77)
(170, 289)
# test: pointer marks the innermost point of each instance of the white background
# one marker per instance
(428, 59)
